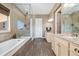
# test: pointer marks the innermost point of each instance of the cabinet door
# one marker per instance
(53, 43)
(74, 49)
(61, 47)
(63, 50)
(56, 48)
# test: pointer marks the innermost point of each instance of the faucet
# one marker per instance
(75, 34)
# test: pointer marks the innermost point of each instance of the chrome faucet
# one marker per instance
(75, 34)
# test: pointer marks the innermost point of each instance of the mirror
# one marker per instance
(69, 8)
(70, 15)
(75, 21)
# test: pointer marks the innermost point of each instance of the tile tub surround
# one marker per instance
(9, 47)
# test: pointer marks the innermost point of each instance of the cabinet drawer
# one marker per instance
(74, 49)
(61, 47)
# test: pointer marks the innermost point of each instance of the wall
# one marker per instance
(52, 15)
(21, 17)
(15, 15)
(27, 33)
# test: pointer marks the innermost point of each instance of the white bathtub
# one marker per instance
(11, 46)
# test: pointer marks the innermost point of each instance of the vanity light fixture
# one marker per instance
(50, 20)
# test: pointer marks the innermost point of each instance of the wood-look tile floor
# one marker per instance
(39, 47)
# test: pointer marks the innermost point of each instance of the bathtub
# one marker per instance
(9, 47)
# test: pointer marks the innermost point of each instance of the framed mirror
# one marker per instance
(70, 16)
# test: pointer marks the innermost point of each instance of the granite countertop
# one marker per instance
(68, 38)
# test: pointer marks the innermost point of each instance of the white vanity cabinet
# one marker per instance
(61, 47)
(53, 43)
(56, 48)
(49, 37)
(65, 46)
(74, 49)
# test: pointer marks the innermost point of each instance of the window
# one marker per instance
(4, 19)
(20, 25)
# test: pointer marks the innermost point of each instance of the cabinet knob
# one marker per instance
(78, 51)
(75, 49)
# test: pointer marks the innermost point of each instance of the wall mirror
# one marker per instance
(70, 15)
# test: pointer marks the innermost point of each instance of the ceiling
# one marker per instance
(35, 8)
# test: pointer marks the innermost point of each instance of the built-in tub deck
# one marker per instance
(9, 47)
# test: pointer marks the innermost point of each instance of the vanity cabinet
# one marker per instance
(49, 37)
(61, 47)
(74, 49)
(53, 43)
(56, 48)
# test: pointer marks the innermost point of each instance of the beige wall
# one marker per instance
(52, 15)
(15, 15)
(27, 21)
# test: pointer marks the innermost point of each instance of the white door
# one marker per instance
(38, 27)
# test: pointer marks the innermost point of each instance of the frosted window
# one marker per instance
(20, 25)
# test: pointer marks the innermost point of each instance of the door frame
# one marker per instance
(41, 28)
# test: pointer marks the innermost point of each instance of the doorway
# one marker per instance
(38, 27)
